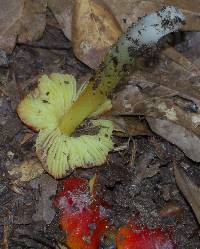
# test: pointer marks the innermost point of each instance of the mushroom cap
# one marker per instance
(44, 107)
(59, 153)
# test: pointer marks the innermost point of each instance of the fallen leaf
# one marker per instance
(192, 5)
(130, 126)
(128, 11)
(189, 189)
(26, 171)
(173, 54)
(193, 21)
(21, 21)
(99, 28)
(63, 13)
(33, 20)
(187, 141)
(94, 30)
(168, 96)
(145, 168)
(47, 187)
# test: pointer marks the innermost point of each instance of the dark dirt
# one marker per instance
(141, 190)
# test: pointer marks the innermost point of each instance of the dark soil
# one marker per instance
(123, 184)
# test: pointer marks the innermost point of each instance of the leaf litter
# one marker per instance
(137, 179)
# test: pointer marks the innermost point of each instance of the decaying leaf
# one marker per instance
(94, 30)
(102, 22)
(173, 54)
(10, 11)
(26, 171)
(63, 13)
(187, 141)
(193, 21)
(168, 95)
(145, 168)
(189, 189)
(130, 126)
(47, 187)
(21, 21)
(128, 11)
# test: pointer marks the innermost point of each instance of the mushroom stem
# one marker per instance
(139, 38)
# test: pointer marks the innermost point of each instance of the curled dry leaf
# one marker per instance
(21, 21)
(189, 189)
(94, 30)
(26, 171)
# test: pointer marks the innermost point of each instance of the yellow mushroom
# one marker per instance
(56, 109)
(43, 110)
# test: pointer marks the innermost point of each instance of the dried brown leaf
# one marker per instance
(26, 171)
(144, 168)
(189, 189)
(186, 140)
(128, 11)
(94, 30)
(173, 54)
(169, 94)
(192, 21)
(47, 187)
(21, 21)
(63, 13)
(130, 126)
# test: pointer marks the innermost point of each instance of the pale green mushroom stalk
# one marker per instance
(56, 108)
